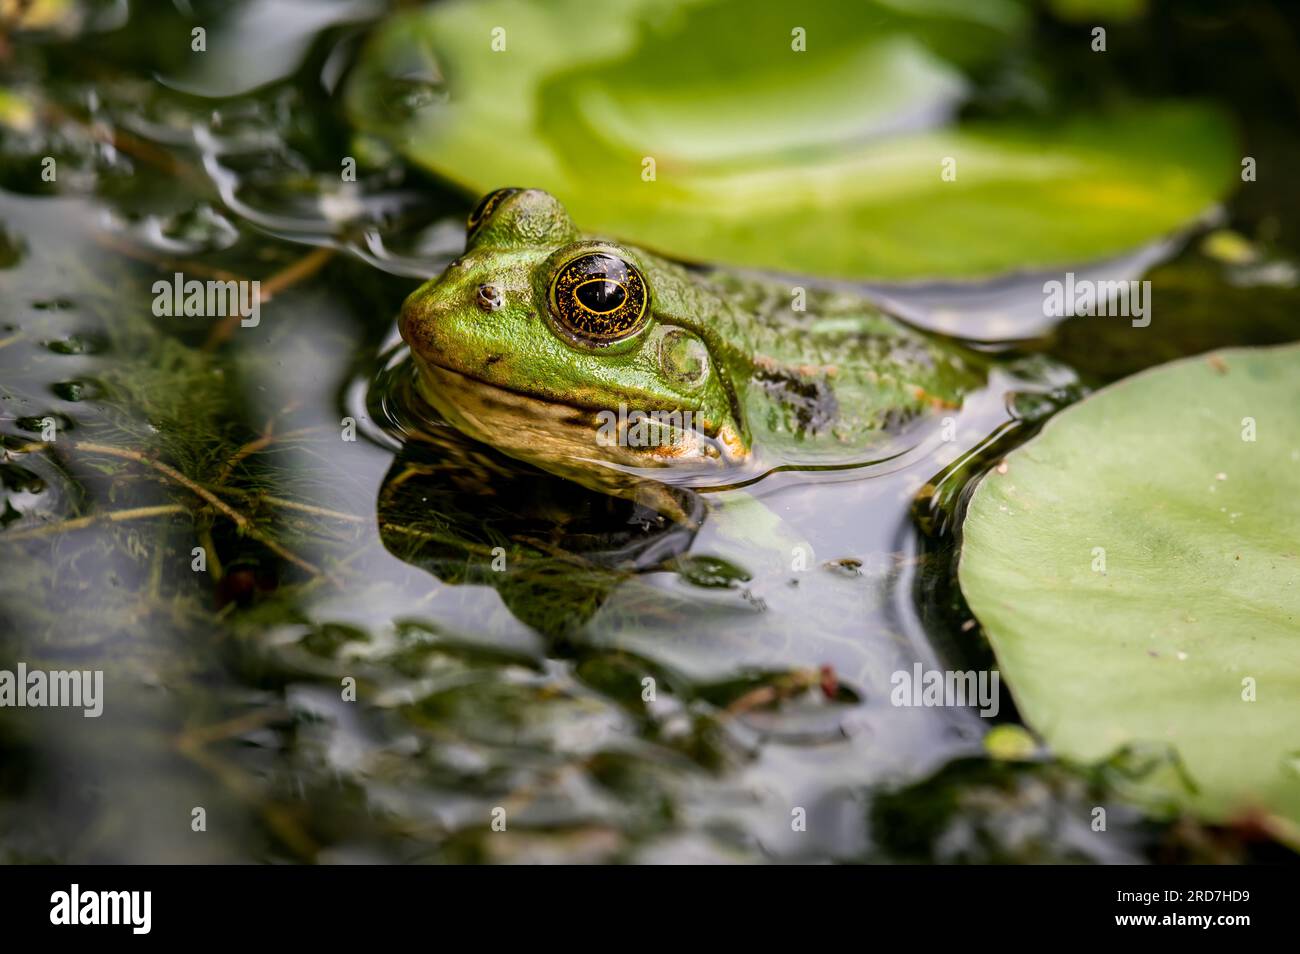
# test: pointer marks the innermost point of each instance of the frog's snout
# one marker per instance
(423, 324)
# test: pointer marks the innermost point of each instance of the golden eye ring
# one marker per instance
(599, 298)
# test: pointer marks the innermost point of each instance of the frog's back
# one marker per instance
(833, 374)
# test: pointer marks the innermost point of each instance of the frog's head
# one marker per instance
(551, 347)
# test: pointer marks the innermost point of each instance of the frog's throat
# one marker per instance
(566, 437)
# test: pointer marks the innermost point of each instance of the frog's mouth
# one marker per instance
(562, 437)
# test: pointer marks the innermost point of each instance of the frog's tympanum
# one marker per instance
(594, 359)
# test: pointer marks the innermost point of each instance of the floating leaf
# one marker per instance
(1137, 569)
(828, 161)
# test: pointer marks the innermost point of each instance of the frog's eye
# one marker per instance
(483, 211)
(599, 298)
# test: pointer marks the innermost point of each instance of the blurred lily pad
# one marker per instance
(820, 139)
(1137, 571)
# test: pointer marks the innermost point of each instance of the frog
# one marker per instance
(614, 365)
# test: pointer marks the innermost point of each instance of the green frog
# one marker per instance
(613, 366)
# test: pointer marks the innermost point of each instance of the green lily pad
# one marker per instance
(827, 162)
(1136, 567)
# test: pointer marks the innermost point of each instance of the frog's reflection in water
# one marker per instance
(551, 548)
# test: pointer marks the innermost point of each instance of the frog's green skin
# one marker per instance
(829, 383)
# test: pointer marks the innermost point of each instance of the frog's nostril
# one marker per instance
(489, 298)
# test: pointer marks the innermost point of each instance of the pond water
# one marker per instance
(237, 524)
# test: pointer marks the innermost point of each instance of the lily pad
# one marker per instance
(1137, 569)
(826, 161)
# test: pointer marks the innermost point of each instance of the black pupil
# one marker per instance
(600, 295)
